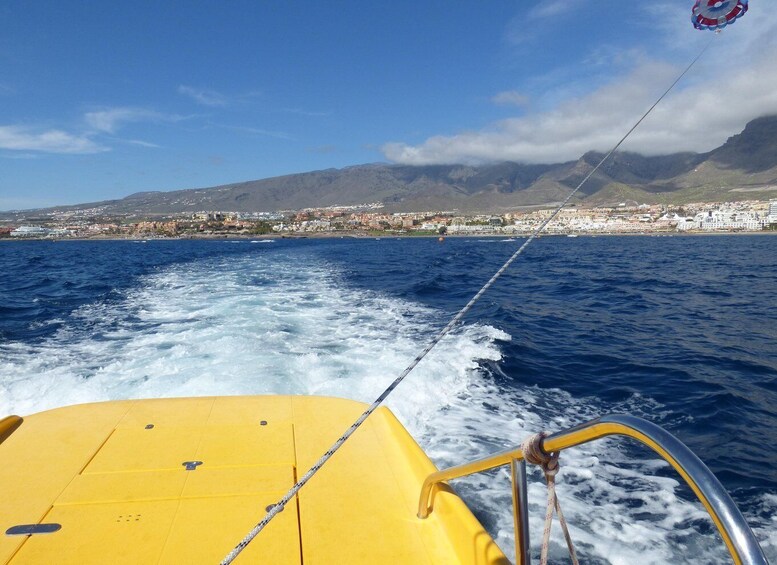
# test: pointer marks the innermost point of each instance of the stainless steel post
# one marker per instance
(520, 512)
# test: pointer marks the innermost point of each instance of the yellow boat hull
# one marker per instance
(114, 476)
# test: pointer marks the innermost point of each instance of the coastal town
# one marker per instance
(370, 220)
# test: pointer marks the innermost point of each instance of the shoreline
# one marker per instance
(335, 235)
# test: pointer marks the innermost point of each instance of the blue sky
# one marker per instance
(99, 100)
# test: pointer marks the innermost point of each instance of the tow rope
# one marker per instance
(274, 509)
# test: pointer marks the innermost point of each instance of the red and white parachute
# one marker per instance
(717, 14)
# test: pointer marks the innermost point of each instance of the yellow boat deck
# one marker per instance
(113, 476)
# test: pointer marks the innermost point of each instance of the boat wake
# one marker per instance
(289, 324)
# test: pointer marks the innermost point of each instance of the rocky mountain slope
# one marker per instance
(745, 167)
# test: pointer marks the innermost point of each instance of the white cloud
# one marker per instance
(510, 98)
(735, 83)
(552, 9)
(141, 143)
(98, 130)
(109, 120)
(137, 142)
(204, 96)
(541, 14)
(50, 141)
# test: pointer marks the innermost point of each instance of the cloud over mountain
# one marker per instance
(735, 82)
(598, 120)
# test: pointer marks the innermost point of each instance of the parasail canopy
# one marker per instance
(717, 14)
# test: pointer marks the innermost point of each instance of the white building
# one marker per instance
(315, 225)
(31, 231)
(454, 229)
(724, 220)
(772, 217)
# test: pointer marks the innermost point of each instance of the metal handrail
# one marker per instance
(733, 527)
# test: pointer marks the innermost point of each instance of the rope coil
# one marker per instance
(534, 454)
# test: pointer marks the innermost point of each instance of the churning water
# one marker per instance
(680, 330)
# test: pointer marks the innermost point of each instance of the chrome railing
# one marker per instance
(733, 528)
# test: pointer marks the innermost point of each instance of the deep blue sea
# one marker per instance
(679, 330)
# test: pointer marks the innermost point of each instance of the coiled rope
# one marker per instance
(279, 506)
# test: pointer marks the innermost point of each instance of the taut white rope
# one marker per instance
(276, 508)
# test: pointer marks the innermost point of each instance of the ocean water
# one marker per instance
(679, 330)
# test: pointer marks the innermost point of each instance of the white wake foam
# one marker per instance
(277, 323)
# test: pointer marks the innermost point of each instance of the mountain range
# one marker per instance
(743, 168)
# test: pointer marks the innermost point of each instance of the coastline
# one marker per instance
(364, 235)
